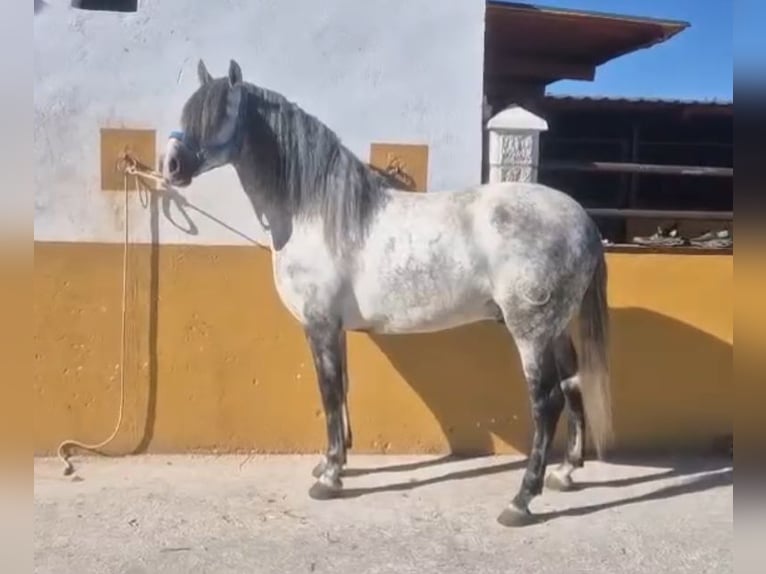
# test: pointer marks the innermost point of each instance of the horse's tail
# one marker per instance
(594, 359)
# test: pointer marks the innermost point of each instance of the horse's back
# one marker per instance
(526, 222)
(533, 216)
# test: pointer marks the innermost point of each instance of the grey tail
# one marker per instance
(594, 359)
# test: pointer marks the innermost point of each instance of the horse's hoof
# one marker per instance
(319, 469)
(562, 483)
(321, 490)
(514, 517)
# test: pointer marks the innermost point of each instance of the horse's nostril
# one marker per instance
(173, 165)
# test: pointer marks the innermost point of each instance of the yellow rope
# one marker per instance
(129, 166)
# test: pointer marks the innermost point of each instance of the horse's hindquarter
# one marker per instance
(541, 247)
(421, 268)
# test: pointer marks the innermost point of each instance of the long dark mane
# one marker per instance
(308, 170)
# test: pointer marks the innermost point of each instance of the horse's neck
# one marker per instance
(275, 219)
(263, 187)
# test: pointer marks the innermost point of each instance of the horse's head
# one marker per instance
(211, 127)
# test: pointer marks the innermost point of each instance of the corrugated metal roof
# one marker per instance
(639, 100)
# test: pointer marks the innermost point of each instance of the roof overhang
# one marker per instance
(541, 45)
(679, 106)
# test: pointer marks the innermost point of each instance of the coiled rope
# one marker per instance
(129, 166)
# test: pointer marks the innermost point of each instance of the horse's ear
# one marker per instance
(203, 74)
(235, 73)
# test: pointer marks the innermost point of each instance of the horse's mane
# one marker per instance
(312, 173)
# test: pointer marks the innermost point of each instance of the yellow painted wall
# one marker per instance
(216, 364)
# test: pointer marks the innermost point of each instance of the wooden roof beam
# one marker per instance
(550, 69)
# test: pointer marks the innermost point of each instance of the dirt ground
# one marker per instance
(226, 514)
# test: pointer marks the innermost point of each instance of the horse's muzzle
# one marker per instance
(179, 164)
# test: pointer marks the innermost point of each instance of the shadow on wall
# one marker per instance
(671, 385)
(152, 320)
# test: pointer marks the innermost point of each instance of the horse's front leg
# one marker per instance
(325, 340)
(347, 433)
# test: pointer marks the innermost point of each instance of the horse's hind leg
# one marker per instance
(547, 400)
(566, 357)
(325, 342)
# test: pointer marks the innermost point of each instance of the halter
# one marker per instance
(207, 151)
(204, 155)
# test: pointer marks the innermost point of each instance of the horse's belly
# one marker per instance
(403, 311)
(429, 322)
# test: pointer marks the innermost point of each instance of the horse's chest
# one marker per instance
(305, 285)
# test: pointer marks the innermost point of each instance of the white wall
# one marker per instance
(374, 70)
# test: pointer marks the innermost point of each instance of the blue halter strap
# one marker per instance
(206, 151)
(204, 154)
(178, 135)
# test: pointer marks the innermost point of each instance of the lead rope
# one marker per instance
(129, 167)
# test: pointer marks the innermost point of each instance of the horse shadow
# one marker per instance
(691, 475)
(174, 208)
(671, 385)
(671, 390)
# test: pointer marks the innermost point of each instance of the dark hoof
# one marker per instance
(515, 517)
(560, 483)
(321, 491)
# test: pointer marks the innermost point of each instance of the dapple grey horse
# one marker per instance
(352, 253)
